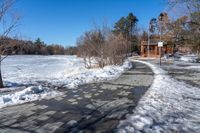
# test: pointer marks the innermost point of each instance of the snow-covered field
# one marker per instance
(168, 106)
(32, 75)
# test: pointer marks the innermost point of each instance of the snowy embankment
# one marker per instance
(38, 72)
(168, 106)
(29, 94)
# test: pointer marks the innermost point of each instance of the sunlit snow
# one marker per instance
(36, 77)
(29, 94)
(168, 106)
(68, 71)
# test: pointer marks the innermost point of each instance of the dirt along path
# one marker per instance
(90, 108)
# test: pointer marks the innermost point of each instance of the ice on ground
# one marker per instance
(27, 95)
(168, 106)
(66, 71)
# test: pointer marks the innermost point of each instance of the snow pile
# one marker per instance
(27, 95)
(94, 75)
(168, 106)
(68, 71)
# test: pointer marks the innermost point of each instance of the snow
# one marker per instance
(68, 71)
(27, 76)
(193, 58)
(188, 58)
(72, 122)
(29, 94)
(197, 68)
(183, 65)
(168, 106)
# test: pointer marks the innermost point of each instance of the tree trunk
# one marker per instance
(1, 81)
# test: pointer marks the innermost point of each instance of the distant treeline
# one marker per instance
(9, 46)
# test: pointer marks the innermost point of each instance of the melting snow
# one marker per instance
(168, 106)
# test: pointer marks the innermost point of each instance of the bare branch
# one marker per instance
(5, 5)
(11, 27)
(3, 58)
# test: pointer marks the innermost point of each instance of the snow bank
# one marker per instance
(95, 75)
(168, 106)
(68, 71)
(27, 95)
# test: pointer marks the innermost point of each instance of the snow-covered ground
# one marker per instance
(193, 58)
(185, 65)
(32, 75)
(68, 71)
(29, 94)
(196, 67)
(168, 106)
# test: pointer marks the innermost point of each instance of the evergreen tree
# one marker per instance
(153, 28)
(127, 26)
(131, 24)
(120, 27)
(38, 46)
(38, 41)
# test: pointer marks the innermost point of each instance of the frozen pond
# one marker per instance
(31, 69)
(57, 70)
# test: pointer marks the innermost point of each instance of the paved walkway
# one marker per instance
(90, 108)
(182, 74)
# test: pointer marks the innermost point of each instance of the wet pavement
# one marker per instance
(90, 108)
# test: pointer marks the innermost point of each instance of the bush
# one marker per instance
(102, 47)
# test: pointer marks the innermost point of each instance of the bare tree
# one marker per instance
(190, 28)
(8, 22)
(103, 46)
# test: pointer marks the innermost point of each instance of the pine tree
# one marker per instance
(127, 26)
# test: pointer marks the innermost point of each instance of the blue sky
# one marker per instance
(63, 21)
